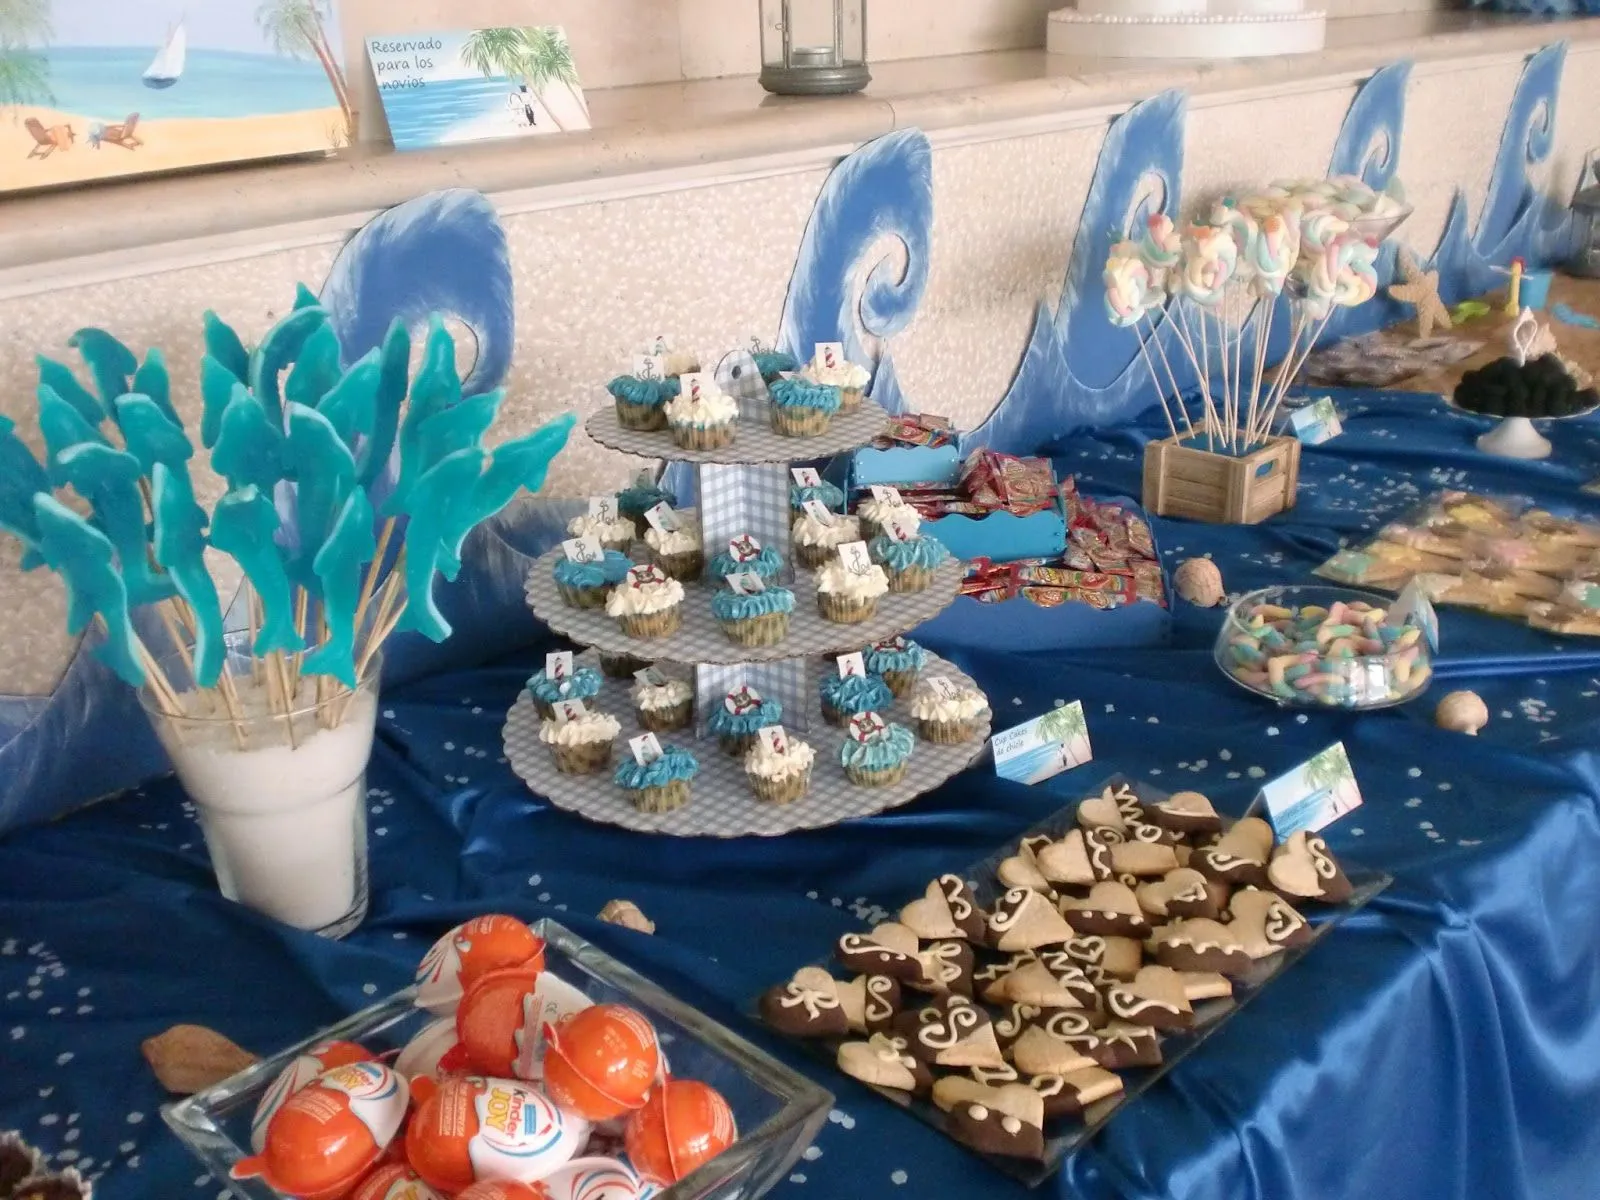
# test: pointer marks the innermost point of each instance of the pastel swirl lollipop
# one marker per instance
(1276, 248)
(1209, 260)
(1324, 270)
(1159, 245)
(1245, 232)
(1358, 279)
(1127, 281)
(1318, 230)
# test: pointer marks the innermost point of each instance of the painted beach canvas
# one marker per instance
(92, 89)
(472, 85)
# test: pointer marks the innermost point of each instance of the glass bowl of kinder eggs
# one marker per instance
(1324, 647)
(524, 1062)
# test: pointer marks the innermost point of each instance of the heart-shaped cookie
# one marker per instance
(1098, 844)
(1053, 1047)
(870, 1003)
(951, 1032)
(1265, 923)
(996, 1092)
(947, 967)
(1021, 870)
(1238, 858)
(1154, 997)
(1053, 980)
(1014, 1022)
(808, 1006)
(963, 905)
(988, 981)
(1120, 1045)
(1205, 985)
(1304, 868)
(1067, 861)
(1200, 944)
(1186, 813)
(1143, 860)
(1111, 910)
(990, 1131)
(930, 917)
(1143, 831)
(1068, 1095)
(884, 1061)
(1101, 812)
(890, 949)
(1025, 920)
(1183, 892)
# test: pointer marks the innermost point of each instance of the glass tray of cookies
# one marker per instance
(1018, 1005)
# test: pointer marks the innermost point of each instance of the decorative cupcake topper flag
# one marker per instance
(307, 447)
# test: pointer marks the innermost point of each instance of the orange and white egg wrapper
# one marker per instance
(469, 951)
(472, 1129)
(683, 1125)
(601, 1062)
(299, 1074)
(394, 1181)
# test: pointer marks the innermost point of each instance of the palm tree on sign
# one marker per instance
(1331, 769)
(1068, 726)
(550, 54)
(297, 28)
(538, 58)
(24, 73)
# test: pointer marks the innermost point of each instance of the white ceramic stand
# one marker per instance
(1515, 437)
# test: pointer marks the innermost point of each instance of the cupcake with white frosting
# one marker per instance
(848, 377)
(877, 515)
(779, 777)
(848, 597)
(581, 746)
(679, 553)
(615, 535)
(816, 544)
(664, 707)
(947, 712)
(702, 417)
(647, 603)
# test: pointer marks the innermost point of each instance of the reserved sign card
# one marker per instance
(1044, 747)
(1312, 796)
(1316, 422)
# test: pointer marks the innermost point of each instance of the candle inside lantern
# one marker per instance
(813, 56)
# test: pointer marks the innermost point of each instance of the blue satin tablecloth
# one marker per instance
(1443, 1045)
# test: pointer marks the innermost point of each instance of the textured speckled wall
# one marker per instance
(712, 266)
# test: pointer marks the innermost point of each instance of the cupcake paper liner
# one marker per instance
(912, 579)
(703, 437)
(862, 777)
(800, 422)
(685, 567)
(584, 759)
(814, 557)
(767, 630)
(845, 612)
(901, 682)
(850, 399)
(780, 791)
(948, 733)
(644, 417)
(736, 744)
(661, 799)
(649, 625)
(584, 597)
(832, 715)
(622, 666)
(666, 720)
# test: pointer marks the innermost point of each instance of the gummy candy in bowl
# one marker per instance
(1325, 647)
(775, 1110)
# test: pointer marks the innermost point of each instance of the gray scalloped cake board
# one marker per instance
(754, 441)
(722, 804)
(701, 640)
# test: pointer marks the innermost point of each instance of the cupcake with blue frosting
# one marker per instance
(635, 501)
(801, 409)
(898, 660)
(843, 696)
(773, 363)
(830, 496)
(642, 403)
(662, 785)
(582, 684)
(588, 584)
(910, 563)
(876, 754)
(741, 715)
(759, 619)
(766, 562)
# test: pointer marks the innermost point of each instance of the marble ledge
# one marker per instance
(700, 130)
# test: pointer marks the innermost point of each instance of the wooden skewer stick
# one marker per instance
(371, 581)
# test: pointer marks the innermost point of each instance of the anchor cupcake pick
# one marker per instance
(243, 527)
(21, 479)
(109, 480)
(324, 472)
(180, 548)
(152, 379)
(315, 370)
(84, 558)
(224, 347)
(109, 361)
(151, 436)
(59, 377)
(277, 350)
(63, 428)
(339, 564)
(250, 448)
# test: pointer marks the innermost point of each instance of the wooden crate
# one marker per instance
(1181, 481)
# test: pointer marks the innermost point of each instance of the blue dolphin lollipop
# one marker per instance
(250, 448)
(223, 345)
(21, 479)
(110, 362)
(180, 547)
(339, 564)
(60, 379)
(84, 559)
(109, 480)
(324, 472)
(63, 428)
(153, 379)
(315, 369)
(351, 406)
(278, 350)
(150, 436)
(442, 492)
(242, 526)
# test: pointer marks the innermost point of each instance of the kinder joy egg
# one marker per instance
(497, 1020)
(394, 1181)
(301, 1072)
(469, 951)
(597, 1179)
(435, 1052)
(601, 1062)
(499, 1190)
(469, 1129)
(683, 1125)
(328, 1135)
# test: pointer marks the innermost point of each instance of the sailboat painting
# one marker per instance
(99, 89)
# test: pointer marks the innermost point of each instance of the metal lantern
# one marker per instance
(814, 47)
(1586, 226)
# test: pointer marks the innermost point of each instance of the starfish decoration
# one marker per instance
(1421, 291)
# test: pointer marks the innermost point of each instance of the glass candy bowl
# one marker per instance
(777, 1111)
(1319, 647)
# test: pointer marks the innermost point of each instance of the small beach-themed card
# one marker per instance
(1043, 747)
(94, 89)
(1312, 796)
(1316, 422)
(472, 85)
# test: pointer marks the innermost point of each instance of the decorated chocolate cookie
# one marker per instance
(1026, 920)
(1053, 980)
(1200, 944)
(1013, 1023)
(1098, 843)
(1068, 1095)
(1143, 860)
(987, 1088)
(1119, 1045)
(1304, 869)
(1182, 892)
(951, 1032)
(946, 910)
(1265, 923)
(947, 967)
(808, 1006)
(1145, 832)
(870, 1003)
(1021, 870)
(1239, 858)
(1188, 813)
(1205, 985)
(1067, 861)
(991, 1131)
(989, 980)
(1154, 997)
(890, 949)
(884, 1061)
(1111, 910)
(1054, 1045)
(1104, 811)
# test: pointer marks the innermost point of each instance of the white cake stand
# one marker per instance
(1516, 437)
